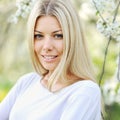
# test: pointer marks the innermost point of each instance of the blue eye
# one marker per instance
(58, 36)
(38, 36)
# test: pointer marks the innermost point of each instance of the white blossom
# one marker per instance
(109, 28)
(105, 6)
(23, 9)
(108, 24)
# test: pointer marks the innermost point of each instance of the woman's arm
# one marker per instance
(7, 104)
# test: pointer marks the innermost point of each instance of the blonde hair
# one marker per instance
(75, 59)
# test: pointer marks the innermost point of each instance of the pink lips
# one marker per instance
(49, 58)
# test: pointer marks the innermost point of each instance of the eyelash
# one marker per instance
(56, 36)
(59, 36)
(38, 36)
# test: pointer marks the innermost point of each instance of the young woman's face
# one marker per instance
(48, 42)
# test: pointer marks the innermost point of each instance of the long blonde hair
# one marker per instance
(75, 59)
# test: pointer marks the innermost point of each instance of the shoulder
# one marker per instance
(27, 80)
(84, 98)
(29, 77)
(86, 84)
(86, 88)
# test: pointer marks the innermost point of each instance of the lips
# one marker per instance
(49, 58)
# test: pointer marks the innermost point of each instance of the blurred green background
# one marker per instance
(14, 55)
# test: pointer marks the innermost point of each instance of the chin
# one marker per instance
(50, 67)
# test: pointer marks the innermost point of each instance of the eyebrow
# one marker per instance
(52, 32)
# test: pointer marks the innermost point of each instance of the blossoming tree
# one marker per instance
(109, 25)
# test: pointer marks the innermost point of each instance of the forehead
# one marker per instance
(47, 22)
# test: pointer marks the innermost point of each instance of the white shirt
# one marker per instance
(29, 100)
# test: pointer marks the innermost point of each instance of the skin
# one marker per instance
(48, 44)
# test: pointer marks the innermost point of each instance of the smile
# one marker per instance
(49, 58)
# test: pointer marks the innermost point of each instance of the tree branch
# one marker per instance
(106, 51)
(104, 63)
(118, 72)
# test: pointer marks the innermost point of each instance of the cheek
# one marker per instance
(60, 46)
(61, 49)
(36, 47)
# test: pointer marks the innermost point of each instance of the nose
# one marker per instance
(48, 45)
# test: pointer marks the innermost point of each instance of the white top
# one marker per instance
(29, 100)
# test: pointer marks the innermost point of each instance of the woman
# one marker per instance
(63, 86)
